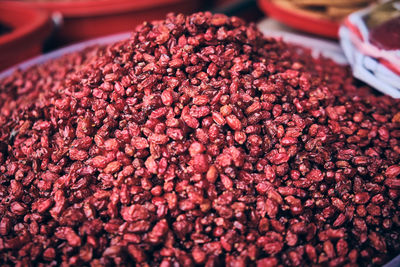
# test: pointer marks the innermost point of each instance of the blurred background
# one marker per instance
(32, 27)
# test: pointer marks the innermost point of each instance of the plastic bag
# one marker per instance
(370, 39)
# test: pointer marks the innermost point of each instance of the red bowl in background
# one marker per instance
(93, 18)
(300, 20)
(30, 28)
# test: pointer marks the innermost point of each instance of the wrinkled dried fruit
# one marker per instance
(197, 142)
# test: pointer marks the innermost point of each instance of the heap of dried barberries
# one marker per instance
(197, 142)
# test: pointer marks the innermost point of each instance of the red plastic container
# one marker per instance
(310, 24)
(93, 18)
(30, 28)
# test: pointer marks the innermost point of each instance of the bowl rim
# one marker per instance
(41, 59)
